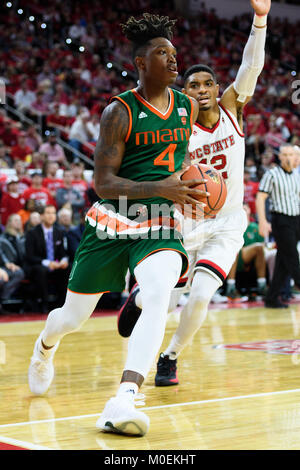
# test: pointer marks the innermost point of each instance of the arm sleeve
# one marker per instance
(253, 60)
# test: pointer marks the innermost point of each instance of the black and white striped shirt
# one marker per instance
(283, 189)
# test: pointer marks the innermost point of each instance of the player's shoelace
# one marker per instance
(139, 399)
(41, 367)
(165, 366)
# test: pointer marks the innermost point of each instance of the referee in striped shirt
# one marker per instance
(282, 185)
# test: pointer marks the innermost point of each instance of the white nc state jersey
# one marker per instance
(222, 147)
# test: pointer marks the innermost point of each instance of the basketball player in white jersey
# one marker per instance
(217, 140)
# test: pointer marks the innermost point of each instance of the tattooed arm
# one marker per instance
(108, 158)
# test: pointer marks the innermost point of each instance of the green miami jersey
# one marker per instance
(117, 238)
(156, 142)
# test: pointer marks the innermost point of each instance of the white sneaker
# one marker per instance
(41, 370)
(218, 298)
(120, 416)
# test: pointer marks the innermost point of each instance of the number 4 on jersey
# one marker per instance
(167, 157)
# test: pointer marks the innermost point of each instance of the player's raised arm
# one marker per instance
(108, 158)
(241, 91)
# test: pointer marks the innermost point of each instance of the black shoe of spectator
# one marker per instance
(275, 304)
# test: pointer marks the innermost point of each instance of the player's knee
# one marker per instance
(200, 300)
(69, 321)
(70, 325)
(259, 250)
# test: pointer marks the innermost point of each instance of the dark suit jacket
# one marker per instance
(35, 244)
(74, 236)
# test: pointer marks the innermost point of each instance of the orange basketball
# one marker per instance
(215, 185)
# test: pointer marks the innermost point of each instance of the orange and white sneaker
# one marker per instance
(120, 416)
(41, 369)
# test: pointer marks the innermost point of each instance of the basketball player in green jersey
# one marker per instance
(143, 141)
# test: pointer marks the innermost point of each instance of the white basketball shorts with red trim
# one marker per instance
(213, 246)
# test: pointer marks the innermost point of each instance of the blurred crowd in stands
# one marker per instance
(62, 62)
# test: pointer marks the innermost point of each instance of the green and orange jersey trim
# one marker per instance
(155, 110)
(115, 223)
(129, 115)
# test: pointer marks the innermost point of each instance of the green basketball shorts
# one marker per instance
(101, 265)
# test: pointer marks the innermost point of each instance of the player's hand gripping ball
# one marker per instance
(215, 185)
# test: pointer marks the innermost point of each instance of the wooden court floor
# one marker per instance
(226, 399)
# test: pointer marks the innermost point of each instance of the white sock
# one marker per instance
(172, 355)
(128, 387)
(44, 353)
(261, 281)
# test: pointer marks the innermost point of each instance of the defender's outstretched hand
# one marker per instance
(261, 7)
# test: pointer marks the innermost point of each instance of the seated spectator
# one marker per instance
(252, 254)
(12, 201)
(29, 208)
(56, 119)
(67, 194)
(39, 106)
(93, 127)
(33, 139)
(251, 168)
(74, 236)
(256, 130)
(76, 30)
(79, 132)
(50, 181)
(281, 124)
(24, 97)
(37, 192)
(267, 161)
(64, 219)
(12, 243)
(45, 74)
(20, 151)
(5, 160)
(91, 194)
(33, 221)
(78, 182)
(274, 137)
(9, 132)
(3, 163)
(9, 283)
(46, 258)
(11, 258)
(54, 151)
(22, 175)
(36, 161)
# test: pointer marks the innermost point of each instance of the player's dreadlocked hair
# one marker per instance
(140, 32)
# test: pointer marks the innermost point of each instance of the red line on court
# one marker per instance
(4, 446)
